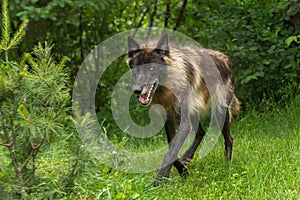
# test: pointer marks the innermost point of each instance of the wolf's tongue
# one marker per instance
(144, 99)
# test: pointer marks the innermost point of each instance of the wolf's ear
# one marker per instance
(162, 46)
(132, 46)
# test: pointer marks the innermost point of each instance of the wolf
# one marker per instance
(187, 81)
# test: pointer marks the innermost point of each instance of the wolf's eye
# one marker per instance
(151, 68)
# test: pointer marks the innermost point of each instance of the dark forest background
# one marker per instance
(261, 37)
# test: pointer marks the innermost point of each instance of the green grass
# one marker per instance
(265, 165)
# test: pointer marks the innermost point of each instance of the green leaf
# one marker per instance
(291, 39)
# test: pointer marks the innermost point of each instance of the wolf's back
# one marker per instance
(188, 65)
(224, 65)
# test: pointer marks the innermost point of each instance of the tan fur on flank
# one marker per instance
(199, 99)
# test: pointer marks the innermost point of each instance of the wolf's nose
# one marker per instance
(137, 92)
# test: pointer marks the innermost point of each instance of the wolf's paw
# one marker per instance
(181, 168)
(160, 180)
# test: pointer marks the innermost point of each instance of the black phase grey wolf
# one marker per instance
(186, 81)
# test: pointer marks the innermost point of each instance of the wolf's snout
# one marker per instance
(137, 91)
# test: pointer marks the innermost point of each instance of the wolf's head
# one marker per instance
(148, 66)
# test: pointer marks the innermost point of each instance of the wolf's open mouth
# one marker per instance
(147, 93)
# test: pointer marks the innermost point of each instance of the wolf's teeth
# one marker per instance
(144, 91)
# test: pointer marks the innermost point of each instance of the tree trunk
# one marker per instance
(22, 189)
(167, 14)
(180, 15)
(294, 16)
(152, 17)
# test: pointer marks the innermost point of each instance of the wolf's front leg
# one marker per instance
(172, 155)
(170, 129)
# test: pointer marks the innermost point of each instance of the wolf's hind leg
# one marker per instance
(228, 140)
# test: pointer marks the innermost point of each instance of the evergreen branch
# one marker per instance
(18, 36)
(5, 81)
(33, 64)
(22, 111)
(12, 152)
(30, 177)
(5, 25)
(37, 146)
(13, 131)
(20, 168)
(34, 147)
(6, 134)
(35, 124)
(24, 59)
(61, 65)
(33, 97)
(33, 162)
(7, 145)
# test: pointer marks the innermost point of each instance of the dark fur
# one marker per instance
(176, 77)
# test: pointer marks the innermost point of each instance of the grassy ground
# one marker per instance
(265, 165)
